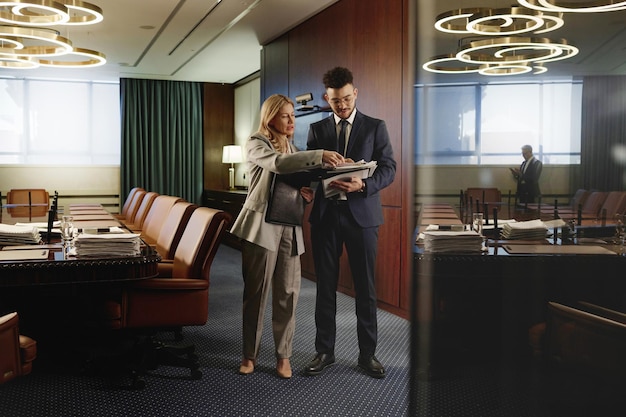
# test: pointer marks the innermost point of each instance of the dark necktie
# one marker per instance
(341, 141)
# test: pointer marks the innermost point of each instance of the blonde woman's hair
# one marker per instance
(270, 108)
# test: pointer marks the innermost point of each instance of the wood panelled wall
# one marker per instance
(369, 37)
(219, 128)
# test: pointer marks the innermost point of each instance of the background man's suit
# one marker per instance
(528, 180)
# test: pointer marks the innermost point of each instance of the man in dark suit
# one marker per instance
(527, 176)
(353, 218)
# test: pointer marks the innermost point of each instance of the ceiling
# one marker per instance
(220, 41)
(191, 40)
(600, 38)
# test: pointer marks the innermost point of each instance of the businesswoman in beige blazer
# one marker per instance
(271, 252)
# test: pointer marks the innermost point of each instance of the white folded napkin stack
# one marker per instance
(447, 241)
(107, 245)
(528, 230)
(19, 235)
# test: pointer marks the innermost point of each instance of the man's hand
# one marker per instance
(347, 184)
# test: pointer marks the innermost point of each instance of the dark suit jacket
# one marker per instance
(528, 182)
(369, 140)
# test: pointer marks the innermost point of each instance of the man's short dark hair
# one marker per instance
(337, 77)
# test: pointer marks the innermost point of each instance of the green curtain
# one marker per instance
(604, 133)
(162, 137)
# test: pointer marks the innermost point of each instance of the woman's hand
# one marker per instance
(307, 193)
(332, 158)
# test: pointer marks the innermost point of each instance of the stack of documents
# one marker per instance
(528, 230)
(346, 171)
(19, 235)
(43, 226)
(107, 245)
(445, 241)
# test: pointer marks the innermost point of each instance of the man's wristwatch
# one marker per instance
(362, 190)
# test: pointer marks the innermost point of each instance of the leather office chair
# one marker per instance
(571, 208)
(173, 228)
(127, 203)
(590, 209)
(37, 197)
(586, 337)
(615, 203)
(156, 217)
(133, 206)
(136, 222)
(17, 352)
(178, 297)
(477, 196)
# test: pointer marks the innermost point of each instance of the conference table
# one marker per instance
(485, 302)
(55, 268)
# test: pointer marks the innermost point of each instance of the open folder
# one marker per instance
(344, 172)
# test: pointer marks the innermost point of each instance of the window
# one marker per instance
(59, 122)
(487, 124)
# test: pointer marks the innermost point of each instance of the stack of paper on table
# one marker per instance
(446, 241)
(19, 235)
(359, 169)
(528, 230)
(107, 245)
(43, 226)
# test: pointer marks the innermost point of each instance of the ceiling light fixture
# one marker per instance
(574, 7)
(512, 50)
(26, 43)
(506, 21)
(502, 48)
(502, 56)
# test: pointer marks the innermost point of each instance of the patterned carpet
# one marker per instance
(343, 390)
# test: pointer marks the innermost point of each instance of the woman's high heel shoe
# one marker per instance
(283, 368)
(246, 367)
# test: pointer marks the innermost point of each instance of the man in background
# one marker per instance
(527, 176)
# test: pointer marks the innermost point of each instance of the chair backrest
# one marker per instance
(156, 216)
(594, 203)
(134, 205)
(21, 196)
(573, 332)
(615, 203)
(579, 198)
(10, 363)
(173, 228)
(136, 222)
(483, 195)
(199, 243)
(129, 200)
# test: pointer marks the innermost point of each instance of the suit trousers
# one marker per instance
(328, 237)
(280, 273)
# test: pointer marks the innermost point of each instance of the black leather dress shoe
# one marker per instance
(319, 363)
(372, 366)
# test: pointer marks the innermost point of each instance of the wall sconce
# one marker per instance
(232, 154)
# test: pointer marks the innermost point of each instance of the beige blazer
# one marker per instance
(263, 161)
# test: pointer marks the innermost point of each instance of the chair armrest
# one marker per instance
(170, 284)
(165, 268)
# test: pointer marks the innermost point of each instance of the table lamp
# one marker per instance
(232, 154)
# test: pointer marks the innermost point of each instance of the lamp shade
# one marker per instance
(232, 154)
